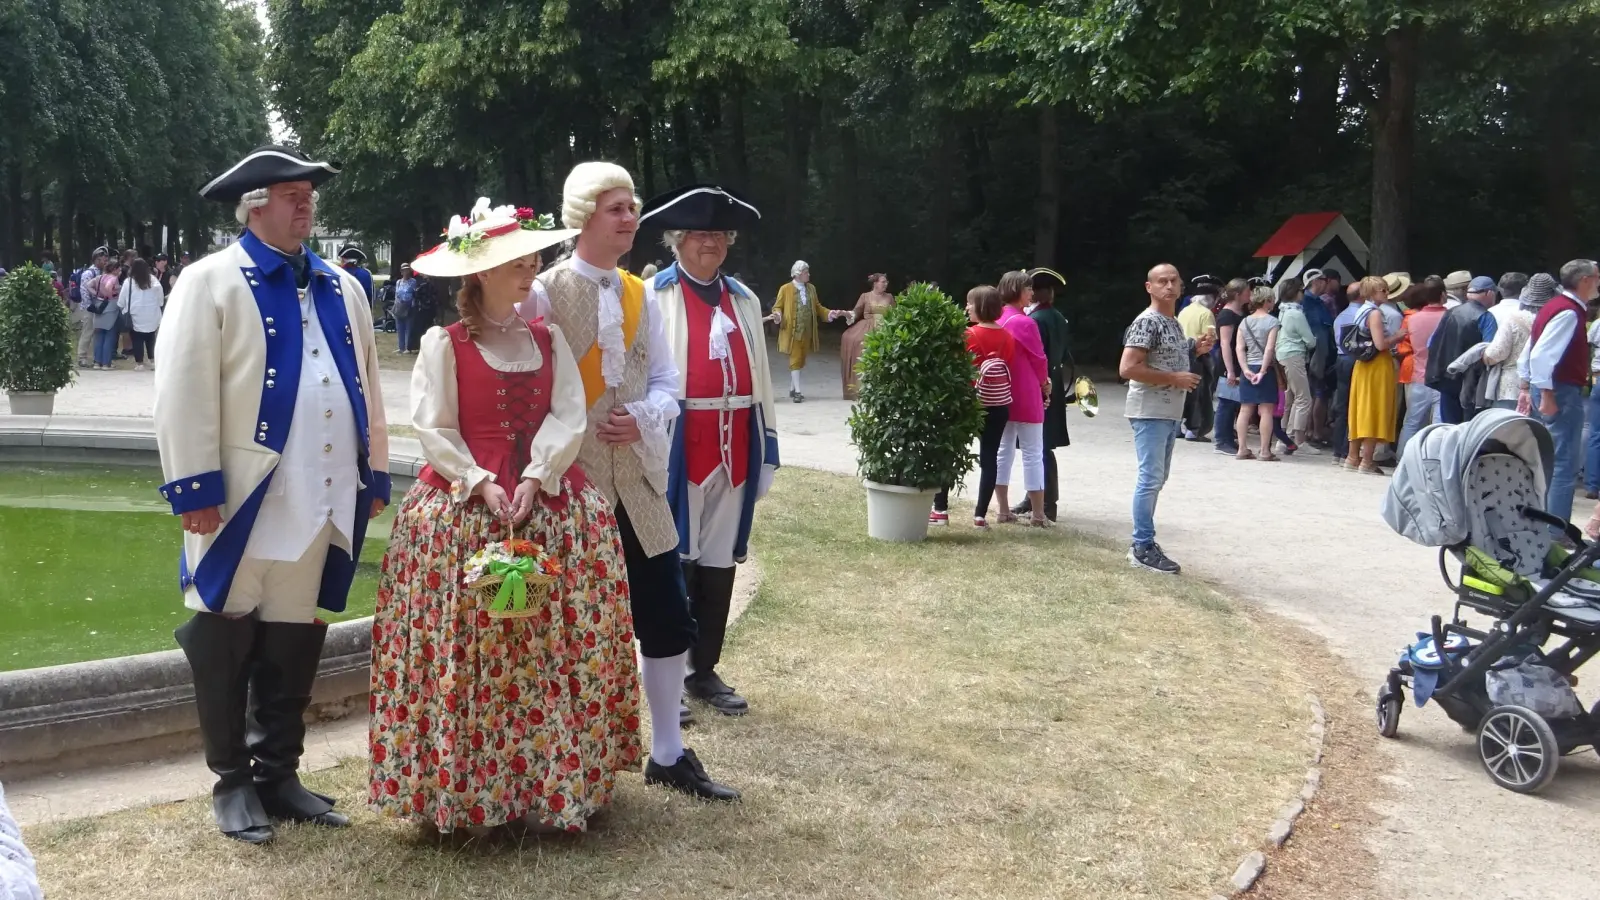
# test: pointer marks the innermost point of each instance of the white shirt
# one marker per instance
(143, 303)
(317, 476)
(1539, 359)
(804, 298)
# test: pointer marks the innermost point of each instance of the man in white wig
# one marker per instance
(724, 446)
(630, 383)
(800, 316)
(273, 438)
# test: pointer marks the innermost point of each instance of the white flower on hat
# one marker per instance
(480, 210)
(504, 211)
(457, 228)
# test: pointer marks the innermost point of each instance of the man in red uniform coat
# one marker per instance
(724, 448)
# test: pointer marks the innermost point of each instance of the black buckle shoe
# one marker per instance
(687, 776)
(256, 834)
(709, 688)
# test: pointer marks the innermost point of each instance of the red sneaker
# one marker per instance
(938, 518)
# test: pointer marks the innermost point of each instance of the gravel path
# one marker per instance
(1319, 554)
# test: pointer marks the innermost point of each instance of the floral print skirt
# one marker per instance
(478, 721)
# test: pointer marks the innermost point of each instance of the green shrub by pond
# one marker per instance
(89, 564)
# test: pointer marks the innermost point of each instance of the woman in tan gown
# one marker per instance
(868, 312)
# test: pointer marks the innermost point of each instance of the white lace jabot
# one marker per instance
(613, 349)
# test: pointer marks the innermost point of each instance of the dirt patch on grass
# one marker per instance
(1008, 715)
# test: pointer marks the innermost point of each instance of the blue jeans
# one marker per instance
(402, 331)
(1227, 417)
(1566, 428)
(1420, 403)
(105, 346)
(1153, 440)
(1591, 466)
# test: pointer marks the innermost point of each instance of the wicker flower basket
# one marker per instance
(498, 590)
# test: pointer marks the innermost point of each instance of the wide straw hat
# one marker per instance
(1397, 283)
(489, 237)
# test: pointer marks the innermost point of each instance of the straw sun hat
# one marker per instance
(489, 237)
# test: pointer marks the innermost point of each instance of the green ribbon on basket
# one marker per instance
(513, 593)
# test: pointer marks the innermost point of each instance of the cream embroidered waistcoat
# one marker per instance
(616, 471)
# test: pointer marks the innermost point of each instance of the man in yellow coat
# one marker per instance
(799, 316)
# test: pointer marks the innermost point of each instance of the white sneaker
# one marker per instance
(139, 367)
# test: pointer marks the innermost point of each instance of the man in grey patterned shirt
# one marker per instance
(1155, 362)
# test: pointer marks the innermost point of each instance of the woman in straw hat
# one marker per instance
(480, 721)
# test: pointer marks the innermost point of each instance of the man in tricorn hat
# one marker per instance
(273, 438)
(354, 260)
(724, 446)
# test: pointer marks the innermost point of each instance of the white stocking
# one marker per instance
(663, 692)
(794, 380)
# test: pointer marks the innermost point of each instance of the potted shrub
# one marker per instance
(35, 341)
(917, 414)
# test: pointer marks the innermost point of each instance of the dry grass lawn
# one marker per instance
(1011, 715)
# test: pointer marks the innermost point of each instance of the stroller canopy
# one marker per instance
(1427, 499)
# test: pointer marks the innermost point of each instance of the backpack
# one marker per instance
(73, 293)
(994, 382)
(1357, 339)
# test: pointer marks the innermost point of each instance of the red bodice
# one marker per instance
(499, 412)
(715, 437)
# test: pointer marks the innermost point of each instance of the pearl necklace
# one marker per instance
(499, 324)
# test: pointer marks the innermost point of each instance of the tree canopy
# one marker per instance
(940, 140)
(115, 114)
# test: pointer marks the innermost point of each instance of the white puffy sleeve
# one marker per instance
(555, 446)
(436, 416)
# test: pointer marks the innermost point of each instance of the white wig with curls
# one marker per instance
(585, 185)
(258, 198)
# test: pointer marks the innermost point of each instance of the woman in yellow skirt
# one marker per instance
(1373, 401)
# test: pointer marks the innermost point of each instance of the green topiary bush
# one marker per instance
(36, 343)
(917, 413)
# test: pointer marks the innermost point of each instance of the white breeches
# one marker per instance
(276, 591)
(714, 520)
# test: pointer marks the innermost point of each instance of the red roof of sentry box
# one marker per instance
(1296, 234)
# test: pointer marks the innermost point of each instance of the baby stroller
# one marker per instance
(1476, 491)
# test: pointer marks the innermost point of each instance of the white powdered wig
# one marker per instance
(258, 198)
(585, 185)
(672, 239)
(799, 266)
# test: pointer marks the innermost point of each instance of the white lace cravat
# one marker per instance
(613, 349)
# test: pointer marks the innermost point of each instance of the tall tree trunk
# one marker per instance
(1316, 112)
(797, 141)
(647, 151)
(736, 168)
(850, 205)
(1560, 208)
(1047, 220)
(405, 242)
(41, 225)
(14, 217)
(680, 152)
(514, 174)
(623, 133)
(945, 162)
(1393, 150)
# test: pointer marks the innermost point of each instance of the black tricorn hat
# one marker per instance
(700, 207)
(352, 253)
(266, 165)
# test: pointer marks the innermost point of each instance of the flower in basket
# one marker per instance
(504, 573)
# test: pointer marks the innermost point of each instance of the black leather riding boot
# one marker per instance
(711, 603)
(1052, 485)
(285, 669)
(219, 650)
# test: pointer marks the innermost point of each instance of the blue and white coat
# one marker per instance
(667, 294)
(231, 347)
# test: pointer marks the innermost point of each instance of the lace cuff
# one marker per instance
(654, 445)
(464, 486)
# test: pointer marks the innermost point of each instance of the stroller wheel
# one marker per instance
(1518, 749)
(1389, 713)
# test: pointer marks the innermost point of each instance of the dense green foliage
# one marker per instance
(36, 340)
(115, 113)
(917, 415)
(950, 140)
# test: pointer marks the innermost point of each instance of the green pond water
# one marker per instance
(89, 565)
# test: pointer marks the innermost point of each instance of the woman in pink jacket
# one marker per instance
(1030, 387)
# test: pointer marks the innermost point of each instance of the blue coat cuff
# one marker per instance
(382, 486)
(196, 492)
(769, 455)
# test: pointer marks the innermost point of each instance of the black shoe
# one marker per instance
(799, 397)
(258, 834)
(689, 777)
(710, 688)
(1592, 495)
(685, 715)
(1150, 558)
(1228, 449)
